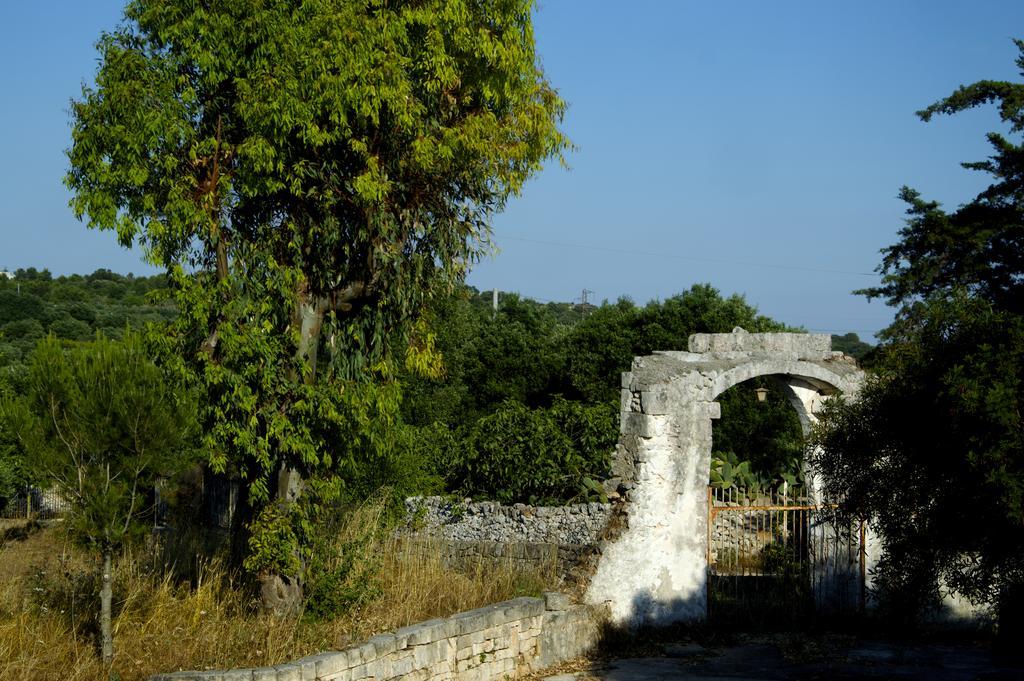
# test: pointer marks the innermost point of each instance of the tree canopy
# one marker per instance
(516, 376)
(979, 247)
(933, 449)
(310, 174)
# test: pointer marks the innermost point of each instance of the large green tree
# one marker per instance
(933, 449)
(309, 173)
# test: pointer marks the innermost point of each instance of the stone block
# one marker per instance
(523, 607)
(236, 675)
(643, 425)
(424, 632)
(417, 675)
(465, 651)
(656, 401)
(288, 672)
(340, 675)
(363, 653)
(470, 621)
(805, 346)
(308, 666)
(379, 668)
(329, 664)
(496, 615)
(556, 601)
(383, 644)
(625, 400)
(425, 655)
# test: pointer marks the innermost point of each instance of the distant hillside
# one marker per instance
(852, 345)
(33, 303)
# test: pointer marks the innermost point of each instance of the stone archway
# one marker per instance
(654, 571)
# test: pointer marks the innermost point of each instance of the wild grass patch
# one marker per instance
(195, 613)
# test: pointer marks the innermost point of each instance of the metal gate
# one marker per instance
(774, 558)
(34, 503)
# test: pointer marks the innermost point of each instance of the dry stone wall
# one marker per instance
(564, 538)
(499, 641)
(489, 521)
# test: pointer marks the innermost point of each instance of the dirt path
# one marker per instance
(770, 659)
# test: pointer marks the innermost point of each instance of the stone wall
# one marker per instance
(499, 641)
(489, 521)
(566, 539)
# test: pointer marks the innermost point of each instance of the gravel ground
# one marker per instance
(785, 658)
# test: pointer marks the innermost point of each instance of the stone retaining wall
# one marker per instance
(489, 521)
(499, 641)
(566, 539)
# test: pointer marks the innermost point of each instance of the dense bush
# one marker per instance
(543, 455)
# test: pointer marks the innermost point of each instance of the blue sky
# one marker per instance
(756, 146)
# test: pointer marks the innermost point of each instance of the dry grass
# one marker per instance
(164, 624)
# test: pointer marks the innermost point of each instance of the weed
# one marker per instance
(47, 605)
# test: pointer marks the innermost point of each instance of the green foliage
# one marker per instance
(324, 170)
(343, 568)
(852, 345)
(272, 541)
(101, 423)
(73, 308)
(13, 476)
(603, 345)
(933, 449)
(522, 364)
(728, 471)
(766, 436)
(539, 456)
(980, 246)
(488, 358)
(530, 352)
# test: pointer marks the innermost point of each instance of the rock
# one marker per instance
(280, 594)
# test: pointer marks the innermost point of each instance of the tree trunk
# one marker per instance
(309, 317)
(106, 596)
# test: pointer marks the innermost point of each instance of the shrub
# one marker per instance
(539, 456)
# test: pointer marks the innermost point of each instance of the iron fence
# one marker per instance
(778, 556)
(34, 504)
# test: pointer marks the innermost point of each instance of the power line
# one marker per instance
(721, 261)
